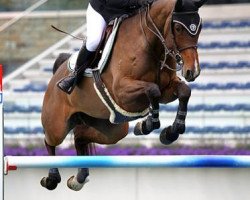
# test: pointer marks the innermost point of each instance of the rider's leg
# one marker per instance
(95, 27)
(68, 83)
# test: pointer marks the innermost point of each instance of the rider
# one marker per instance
(99, 14)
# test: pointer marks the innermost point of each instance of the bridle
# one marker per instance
(174, 53)
(194, 31)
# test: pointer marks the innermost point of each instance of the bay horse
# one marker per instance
(140, 74)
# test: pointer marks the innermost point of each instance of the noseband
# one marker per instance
(174, 53)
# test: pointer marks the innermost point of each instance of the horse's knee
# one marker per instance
(184, 92)
(153, 91)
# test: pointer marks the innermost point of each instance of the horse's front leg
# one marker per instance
(152, 121)
(141, 92)
(171, 133)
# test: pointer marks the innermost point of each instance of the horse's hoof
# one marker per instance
(138, 129)
(167, 136)
(49, 183)
(141, 129)
(147, 126)
(73, 184)
(179, 128)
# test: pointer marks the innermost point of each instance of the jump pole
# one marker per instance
(190, 161)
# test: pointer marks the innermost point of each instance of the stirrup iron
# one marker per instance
(71, 84)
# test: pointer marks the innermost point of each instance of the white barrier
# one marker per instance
(14, 162)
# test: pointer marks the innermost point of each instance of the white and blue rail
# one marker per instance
(184, 161)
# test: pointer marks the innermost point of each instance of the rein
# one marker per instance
(167, 52)
(187, 47)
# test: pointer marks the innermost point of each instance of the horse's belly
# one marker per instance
(88, 101)
(97, 110)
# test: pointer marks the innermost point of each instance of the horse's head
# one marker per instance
(186, 27)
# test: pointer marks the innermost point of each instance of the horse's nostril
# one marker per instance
(189, 74)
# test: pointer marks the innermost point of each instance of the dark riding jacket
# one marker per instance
(110, 9)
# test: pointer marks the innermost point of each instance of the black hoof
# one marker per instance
(140, 129)
(179, 128)
(137, 129)
(147, 126)
(49, 182)
(167, 136)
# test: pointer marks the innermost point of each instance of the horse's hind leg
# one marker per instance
(54, 177)
(51, 141)
(93, 130)
(82, 148)
(171, 133)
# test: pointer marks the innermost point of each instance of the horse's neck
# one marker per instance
(161, 12)
(161, 15)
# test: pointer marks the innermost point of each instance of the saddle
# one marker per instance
(104, 49)
(105, 36)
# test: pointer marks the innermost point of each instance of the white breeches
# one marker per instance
(95, 27)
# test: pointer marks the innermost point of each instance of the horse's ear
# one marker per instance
(178, 6)
(199, 3)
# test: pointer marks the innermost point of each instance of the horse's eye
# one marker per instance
(178, 28)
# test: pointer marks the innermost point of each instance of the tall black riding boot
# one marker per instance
(85, 57)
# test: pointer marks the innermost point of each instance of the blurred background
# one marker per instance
(218, 120)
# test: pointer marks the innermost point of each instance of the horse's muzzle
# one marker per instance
(190, 75)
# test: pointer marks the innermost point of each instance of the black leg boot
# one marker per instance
(85, 57)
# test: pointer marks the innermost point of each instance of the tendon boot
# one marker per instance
(68, 83)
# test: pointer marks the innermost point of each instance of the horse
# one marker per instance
(140, 74)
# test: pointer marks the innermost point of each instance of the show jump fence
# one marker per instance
(14, 162)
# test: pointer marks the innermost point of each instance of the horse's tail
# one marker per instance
(60, 60)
